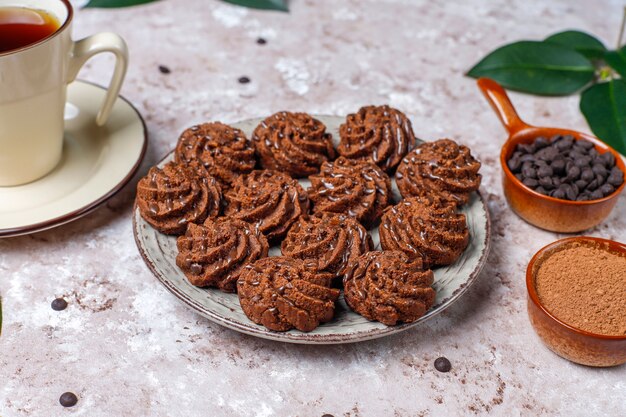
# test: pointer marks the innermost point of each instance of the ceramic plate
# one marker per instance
(159, 252)
(96, 163)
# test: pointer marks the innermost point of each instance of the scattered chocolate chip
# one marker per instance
(443, 364)
(244, 80)
(68, 399)
(261, 41)
(327, 415)
(58, 304)
(164, 70)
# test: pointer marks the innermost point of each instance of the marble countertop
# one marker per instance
(127, 347)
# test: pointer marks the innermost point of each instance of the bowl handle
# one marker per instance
(502, 105)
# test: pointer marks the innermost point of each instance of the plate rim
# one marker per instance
(304, 337)
(90, 207)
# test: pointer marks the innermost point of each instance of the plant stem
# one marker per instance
(621, 29)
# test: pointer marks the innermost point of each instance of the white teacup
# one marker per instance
(33, 84)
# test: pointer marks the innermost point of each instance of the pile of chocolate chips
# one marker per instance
(564, 168)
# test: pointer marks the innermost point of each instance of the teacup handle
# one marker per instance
(84, 49)
(501, 103)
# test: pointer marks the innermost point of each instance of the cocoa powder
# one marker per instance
(584, 285)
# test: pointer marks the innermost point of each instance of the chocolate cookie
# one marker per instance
(213, 254)
(388, 287)
(331, 241)
(224, 151)
(282, 293)
(270, 200)
(427, 228)
(294, 143)
(443, 168)
(170, 198)
(357, 188)
(381, 133)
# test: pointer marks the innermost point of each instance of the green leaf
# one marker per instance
(617, 60)
(262, 4)
(604, 107)
(582, 42)
(116, 3)
(536, 67)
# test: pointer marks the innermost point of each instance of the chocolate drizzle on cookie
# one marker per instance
(214, 254)
(427, 228)
(294, 143)
(357, 188)
(283, 293)
(224, 151)
(272, 201)
(330, 241)
(176, 195)
(381, 133)
(442, 168)
(389, 287)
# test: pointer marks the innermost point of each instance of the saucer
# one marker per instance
(96, 163)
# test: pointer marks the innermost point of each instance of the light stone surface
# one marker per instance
(127, 347)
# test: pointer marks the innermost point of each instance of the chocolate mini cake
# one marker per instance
(179, 194)
(425, 228)
(389, 287)
(381, 133)
(224, 151)
(270, 200)
(281, 293)
(442, 168)
(213, 254)
(294, 143)
(331, 241)
(357, 188)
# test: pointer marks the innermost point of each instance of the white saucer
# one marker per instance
(96, 163)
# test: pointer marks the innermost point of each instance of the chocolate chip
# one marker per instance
(573, 173)
(584, 143)
(527, 157)
(564, 144)
(587, 175)
(261, 41)
(514, 164)
(558, 193)
(607, 189)
(546, 183)
(526, 147)
(615, 179)
(443, 364)
(592, 185)
(530, 182)
(529, 172)
(164, 70)
(582, 162)
(68, 399)
(599, 169)
(608, 158)
(541, 190)
(244, 80)
(571, 192)
(558, 166)
(581, 184)
(545, 171)
(327, 415)
(58, 304)
(595, 195)
(541, 142)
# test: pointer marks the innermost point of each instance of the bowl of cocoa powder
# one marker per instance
(577, 299)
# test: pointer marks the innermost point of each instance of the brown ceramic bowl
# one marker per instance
(540, 210)
(566, 341)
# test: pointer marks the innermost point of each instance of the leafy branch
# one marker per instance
(280, 5)
(563, 64)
